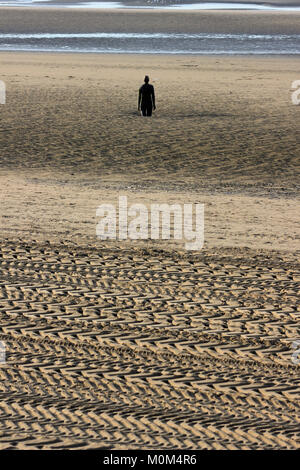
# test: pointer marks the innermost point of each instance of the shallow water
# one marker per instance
(157, 43)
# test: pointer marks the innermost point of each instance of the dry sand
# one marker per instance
(224, 133)
(146, 345)
(26, 20)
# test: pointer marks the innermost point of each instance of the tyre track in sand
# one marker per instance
(111, 348)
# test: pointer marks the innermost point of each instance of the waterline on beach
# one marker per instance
(155, 43)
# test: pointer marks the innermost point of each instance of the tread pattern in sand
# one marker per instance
(127, 349)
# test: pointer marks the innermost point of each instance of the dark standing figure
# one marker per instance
(146, 98)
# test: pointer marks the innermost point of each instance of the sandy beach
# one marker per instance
(143, 345)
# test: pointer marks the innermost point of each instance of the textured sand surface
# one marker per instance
(221, 123)
(147, 345)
